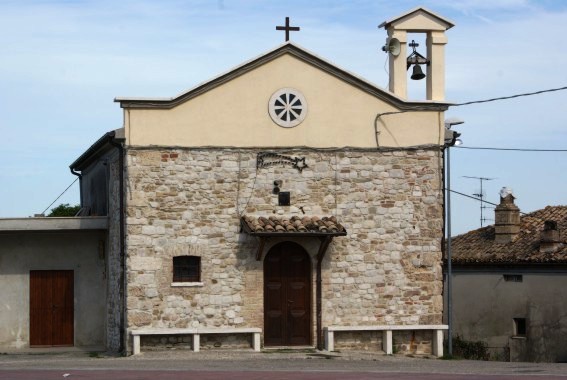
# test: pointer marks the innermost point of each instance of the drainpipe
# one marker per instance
(319, 290)
(80, 184)
(120, 148)
(319, 295)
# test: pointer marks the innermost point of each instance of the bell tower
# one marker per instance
(418, 20)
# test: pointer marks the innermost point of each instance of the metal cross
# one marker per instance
(287, 28)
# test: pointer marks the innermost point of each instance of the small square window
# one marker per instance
(520, 327)
(186, 269)
(513, 278)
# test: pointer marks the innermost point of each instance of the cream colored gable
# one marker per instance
(419, 20)
(235, 113)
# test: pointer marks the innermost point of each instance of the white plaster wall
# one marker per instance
(77, 251)
(484, 306)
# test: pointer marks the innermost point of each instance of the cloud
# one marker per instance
(472, 7)
(63, 62)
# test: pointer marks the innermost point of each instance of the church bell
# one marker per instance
(417, 73)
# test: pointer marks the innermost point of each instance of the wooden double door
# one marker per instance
(51, 308)
(287, 296)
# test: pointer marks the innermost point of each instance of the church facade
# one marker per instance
(287, 195)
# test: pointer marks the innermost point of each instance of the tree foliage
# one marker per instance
(64, 209)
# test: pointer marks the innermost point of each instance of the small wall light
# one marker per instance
(277, 186)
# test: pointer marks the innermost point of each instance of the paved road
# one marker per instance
(240, 365)
(248, 375)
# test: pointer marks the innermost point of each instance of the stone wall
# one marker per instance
(188, 201)
(403, 342)
(207, 342)
(115, 300)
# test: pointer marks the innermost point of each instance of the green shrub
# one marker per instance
(470, 350)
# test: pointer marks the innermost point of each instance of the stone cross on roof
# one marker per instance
(287, 28)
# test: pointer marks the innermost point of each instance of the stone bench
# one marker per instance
(196, 333)
(387, 335)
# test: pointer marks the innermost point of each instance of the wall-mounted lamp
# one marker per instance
(452, 137)
(277, 185)
(416, 59)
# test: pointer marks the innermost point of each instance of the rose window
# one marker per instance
(287, 107)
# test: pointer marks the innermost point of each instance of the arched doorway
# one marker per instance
(287, 296)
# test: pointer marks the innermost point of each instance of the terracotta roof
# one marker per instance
(298, 226)
(478, 246)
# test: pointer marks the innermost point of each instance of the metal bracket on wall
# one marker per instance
(267, 159)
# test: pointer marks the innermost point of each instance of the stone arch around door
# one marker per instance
(287, 296)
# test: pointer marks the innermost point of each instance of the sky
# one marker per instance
(62, 63)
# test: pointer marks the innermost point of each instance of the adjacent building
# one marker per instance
(509, 284)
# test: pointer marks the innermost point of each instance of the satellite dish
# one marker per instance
(392, 47)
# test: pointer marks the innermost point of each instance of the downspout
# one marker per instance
(80, 184)
(319, 290)
(444, 190)
(120, 148)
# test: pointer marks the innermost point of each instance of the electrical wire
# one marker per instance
(513, 149)
(238, 183)
(470, 196)
(414, 109)
(60, 195)
(476, 101)
(251, 193)
(386, 70)
(478, 199)
(301, 148)
(509, 97)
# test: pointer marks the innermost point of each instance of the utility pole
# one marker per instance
(480, 195)
(451, 139)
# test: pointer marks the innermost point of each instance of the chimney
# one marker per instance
(549, 242)
(507, 216)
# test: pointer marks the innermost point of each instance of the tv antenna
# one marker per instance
(480, 195)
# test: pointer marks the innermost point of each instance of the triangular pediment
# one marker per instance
(246, 107)
(418, 20)
(288, 48)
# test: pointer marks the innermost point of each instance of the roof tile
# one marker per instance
(478, 246)
(294, 224)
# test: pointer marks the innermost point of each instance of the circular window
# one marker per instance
(287, 107)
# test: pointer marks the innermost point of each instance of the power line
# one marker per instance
(509, 97)
(413, 109)
(476, 199)
(514, 149)
(68, 187)
(471, 197)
